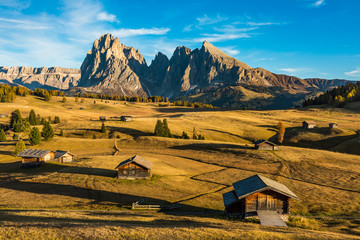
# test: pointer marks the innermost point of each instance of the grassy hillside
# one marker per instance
(192, 173)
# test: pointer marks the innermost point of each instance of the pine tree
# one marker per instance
(64, 100)
(61, 133)
(103, 128)
(47, 97)
(159, 128)
(47, 131)
(20, 146)
(56, 119)
(15, 136)
(281, 132)
(2, 136)
(15, 117)
(35, 136)
(167, 132)
(194, 134)
(184, 135)
(94, 136)
(32, 117)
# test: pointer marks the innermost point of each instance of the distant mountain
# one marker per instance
(53, 77)
(206, 74)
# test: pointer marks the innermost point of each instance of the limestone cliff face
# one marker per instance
(111, 67)
(53, 77)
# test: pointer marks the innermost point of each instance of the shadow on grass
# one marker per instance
(98, 197)
(215, 147)
(229, 133)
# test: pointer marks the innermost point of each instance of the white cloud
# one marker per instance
(219, 37)
(125, 32)
(107, 17)
(355, 73)
(262, 23)
(205, 20)
(292, 70)
(230, 50)
(22, 24)
(16, 4)
(318, 3)
(188, 28)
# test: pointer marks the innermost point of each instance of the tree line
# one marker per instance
(162, 130)
(337, 97)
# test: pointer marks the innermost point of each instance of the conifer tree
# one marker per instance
(61, 133)
(32, 118)
(20, 146)
(64, 100)
(159, 128)
(15, 117)
(281, 132)
(35, 136)
(184, 135)
(103, 128)
(56, 119)
(47, 131)
(167, 132)
(2, 136)
(94, 136)
(194, 134)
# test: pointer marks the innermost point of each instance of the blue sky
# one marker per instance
(304, 38)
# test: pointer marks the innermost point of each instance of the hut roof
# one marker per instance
(259, 183)
(126, 116)
(138, 160)
(59, 153)
(309, 122)
(229, 198)
(255, 184)
(33, 153)
(264, 141)
(332, 124)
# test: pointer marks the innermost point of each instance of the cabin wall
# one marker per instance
(133, 171)
(266, 146)
(267, 200)
(49, 157)
(30, 160)
(66, 158)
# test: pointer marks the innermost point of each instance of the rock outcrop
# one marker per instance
(53, 77)
(111, 67)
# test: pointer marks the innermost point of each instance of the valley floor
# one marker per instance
(84, 199)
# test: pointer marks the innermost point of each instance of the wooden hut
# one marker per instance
(333, 125)
(258, 193)
(135, 167)
(36, 157)
(102, 118)
(265, 145)
(308, 124)
(64, 156)
(125, 118)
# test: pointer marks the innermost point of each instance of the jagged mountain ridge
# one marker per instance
(53, 77)
(200, 74)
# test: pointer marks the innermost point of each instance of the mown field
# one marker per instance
(84, 199)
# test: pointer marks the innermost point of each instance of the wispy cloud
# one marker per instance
(318, 3)
(22, 24)
(124, 32)
(107, 17)
(355, 73)
(205, 20)
(219, 37)
(293, 70)
(15, 4)
(230, 50)
(262, 23)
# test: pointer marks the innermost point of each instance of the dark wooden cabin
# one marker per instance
(102, 118)
(125, 118)
(265, 145)
(258, 193)
(135, 167)
(333, 125)
(64, 156)
(308, 124)
(35, 157)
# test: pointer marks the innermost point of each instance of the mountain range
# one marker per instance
(207, 75)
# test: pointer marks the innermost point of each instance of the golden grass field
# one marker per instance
(83, 199)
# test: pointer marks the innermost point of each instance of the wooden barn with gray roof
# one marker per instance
(64, 156)
(135, 167)
(265, 145)
(36, 157)
(258, 193)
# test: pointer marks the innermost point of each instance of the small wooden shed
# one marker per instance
(135, 167)
(308, 124)
(333, 125)
(64, 156)
(36, 157)
(265, 145)
(102, 118)
(258, 193)
(125, 118)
